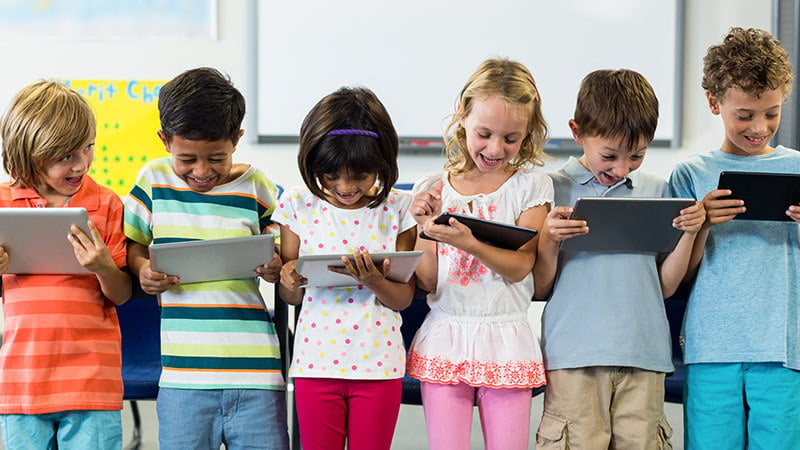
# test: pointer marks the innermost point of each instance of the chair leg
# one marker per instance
(136, 440)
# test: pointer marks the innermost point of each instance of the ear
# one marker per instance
(576, 132)
(236, 142)
(713, 103)
(164, 140)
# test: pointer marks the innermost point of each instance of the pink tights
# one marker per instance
(363, 412)
(505, 416)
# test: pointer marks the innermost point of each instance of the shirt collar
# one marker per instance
(87, 196)
(581, 175)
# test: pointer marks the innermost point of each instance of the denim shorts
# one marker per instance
(206, 419)
(73, 430)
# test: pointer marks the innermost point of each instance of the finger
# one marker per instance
(96, 237)
(81, 236)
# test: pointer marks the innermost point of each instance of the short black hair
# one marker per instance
(349, 108)
(201, 105)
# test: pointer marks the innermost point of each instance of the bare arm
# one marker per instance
(290, 288)
(717, 211)
(152, 282)
(4, 260)
(674, 268)
(556, 228)
(93, 254)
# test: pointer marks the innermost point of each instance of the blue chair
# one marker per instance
(676, 307)
(139, 322)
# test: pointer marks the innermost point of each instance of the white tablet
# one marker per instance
(627, 225)
(315, 267)
(36, 239)
(213, 259)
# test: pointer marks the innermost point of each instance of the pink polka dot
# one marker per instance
(346, 341)
(297, 360)
(354, 367)
(308, 204)
(385, 208)
(319, 343)
(281, 205)
(356, 222)
(378, 323)
(316, 221)
(349, 300)
(393, 328)
(336, 361)
(383, 314)
(380, 364)
(394, 227)
(305, 340)
(344, 354)
(300, 320)
(326, 328)
(344, 241)
(369, 330)
(370, 226)
(355, 327)
(321, 246)
(386, 355)
(313, 325)
(352, 234)
(324, 208)
(311, 366)
(338, 320)
(305, 241)
(389, 343)
(363, 345)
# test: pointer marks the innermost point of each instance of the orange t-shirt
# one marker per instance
(61, 343)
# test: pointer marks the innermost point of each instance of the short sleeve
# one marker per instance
(681, 183)
(138, 212)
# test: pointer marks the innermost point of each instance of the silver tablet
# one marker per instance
(213, 259)
(315, 267)
(36, 239)
(627, 225)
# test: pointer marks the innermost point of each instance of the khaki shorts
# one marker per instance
(604, 407)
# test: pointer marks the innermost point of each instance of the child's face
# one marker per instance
(64, 178)
(606, 158)
(347, 190)
(495, 130)
(750, 122)
(201, 164)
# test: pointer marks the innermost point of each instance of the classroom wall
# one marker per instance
(27, 60)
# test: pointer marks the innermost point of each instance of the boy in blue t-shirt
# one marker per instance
(605, 335)
(742, 324)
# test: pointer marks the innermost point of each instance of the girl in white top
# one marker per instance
(349, 358)
(477, 345)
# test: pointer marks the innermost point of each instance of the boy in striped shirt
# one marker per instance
(221, 381)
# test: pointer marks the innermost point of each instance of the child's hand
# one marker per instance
(691, 219)
(794, 213)
(454, 233)
(4, 260)
(427, 203)
(271, 272)
(362, 269)
(290, 279)
(153, 282)
(558, 226)
(720, 211)
(94, 256)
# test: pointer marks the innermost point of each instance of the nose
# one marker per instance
(200, 169)
(495, 146)
(82, 162)
(621, 169)
(759, 125)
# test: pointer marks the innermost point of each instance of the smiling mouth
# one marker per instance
(756, 141)
(201, 181)
(491, 161)
(74, 181)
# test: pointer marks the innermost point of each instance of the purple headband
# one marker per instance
(353, 132)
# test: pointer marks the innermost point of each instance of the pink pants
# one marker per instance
(505, 416)
(363, 412)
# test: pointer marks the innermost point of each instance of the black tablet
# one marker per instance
(627, 225)
(766, 196)
(510, 237)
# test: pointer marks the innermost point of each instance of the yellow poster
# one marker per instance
(127, 121)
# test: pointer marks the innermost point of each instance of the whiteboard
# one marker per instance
(417, 54)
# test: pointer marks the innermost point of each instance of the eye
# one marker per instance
(483, 135)
(608, 157)
(772, 116)
(744, 117)
(511, 140)
(361, 176)
(187, 161)
(65, 158)
(637, 157)
(89, 148)
(330, 176)
(215, 160)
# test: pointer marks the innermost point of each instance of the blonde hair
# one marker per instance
(512, 82)
(44, 122)
(750, 60)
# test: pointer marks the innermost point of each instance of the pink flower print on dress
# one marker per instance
(465, 268)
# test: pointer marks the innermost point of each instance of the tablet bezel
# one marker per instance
(766, 195)
(315, 267)
(501, 235)
(627, 224)
(213, 259)
(36, 240)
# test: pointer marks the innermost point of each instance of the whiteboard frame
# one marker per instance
(431, 143)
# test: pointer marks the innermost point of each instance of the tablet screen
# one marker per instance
(766, 196)
(501, 235)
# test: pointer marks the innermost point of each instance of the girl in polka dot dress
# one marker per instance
(349, 357)
(477, 345)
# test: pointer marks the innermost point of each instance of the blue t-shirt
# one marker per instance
(744, 305)
(606, 309)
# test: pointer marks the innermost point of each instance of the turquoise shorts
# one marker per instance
(741, 405)
(69, 429)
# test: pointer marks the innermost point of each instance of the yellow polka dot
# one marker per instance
(300, 370)
(337, 300)
(333, 341)
(391, 216)
(344, 222)
(348, 289)
(383, 227)
(373, 237)
(376, 344)
(285, 216)
(385, 332)
(304, 329)
(314, 213)
(344, 330)
(324, 313)
(303, 221)
(366, 357)
(366, 316)
(341, 370)
(331, 234)
(321, 354)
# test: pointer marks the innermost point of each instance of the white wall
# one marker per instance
(25, 61)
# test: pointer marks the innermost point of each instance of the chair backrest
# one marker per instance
(139, 322)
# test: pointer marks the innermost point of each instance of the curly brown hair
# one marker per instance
(750, 60)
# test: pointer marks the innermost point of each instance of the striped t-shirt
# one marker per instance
(61, 343)
(214, 335)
